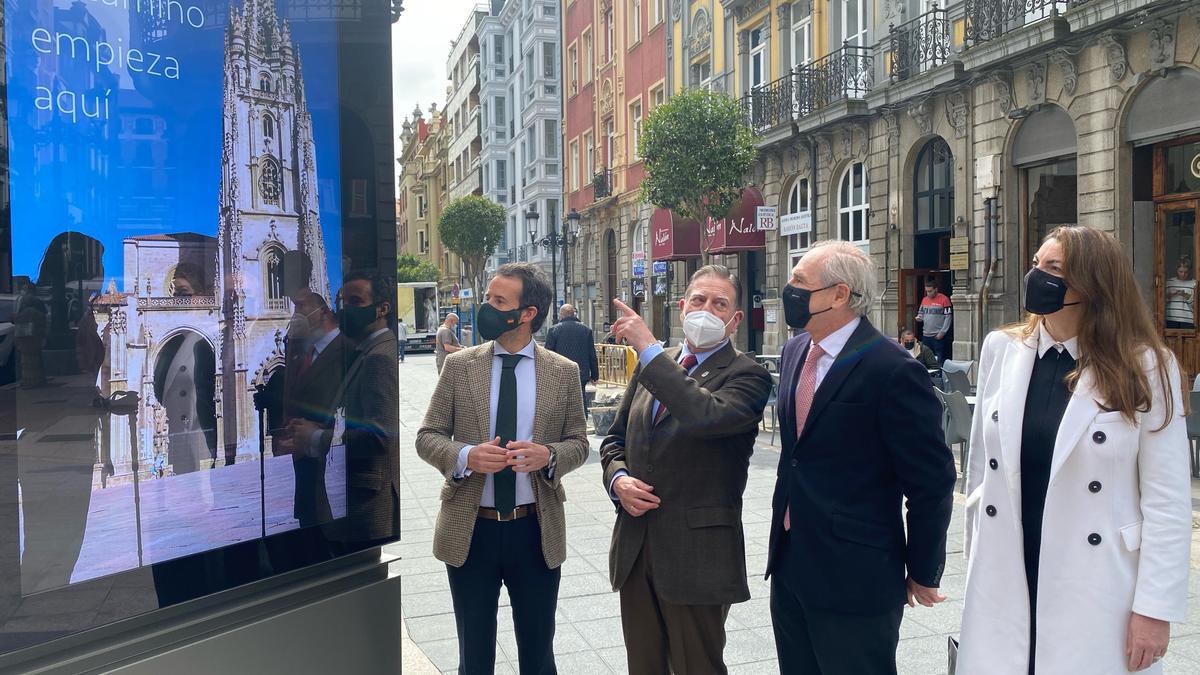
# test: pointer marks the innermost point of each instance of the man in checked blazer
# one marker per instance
(505, 424)
(676, 459)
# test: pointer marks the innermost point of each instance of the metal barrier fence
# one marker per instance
(616, 363)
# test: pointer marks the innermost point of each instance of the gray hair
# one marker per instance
(842, 262)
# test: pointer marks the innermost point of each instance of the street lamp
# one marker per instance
(552, 242)
(572, 237)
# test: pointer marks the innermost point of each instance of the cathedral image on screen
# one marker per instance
(202, 322)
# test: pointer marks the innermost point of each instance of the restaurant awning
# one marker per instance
(673, 238)
(739, 230)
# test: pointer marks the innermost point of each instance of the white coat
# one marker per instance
(1116, 528)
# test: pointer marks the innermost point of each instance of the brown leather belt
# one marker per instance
(520, 512)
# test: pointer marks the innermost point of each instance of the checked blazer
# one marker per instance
(459, 414)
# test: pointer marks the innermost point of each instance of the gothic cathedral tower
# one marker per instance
(268, 205)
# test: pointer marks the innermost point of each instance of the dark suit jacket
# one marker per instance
(312, 396)
(572, 339)
(873, 437)
(697, 459)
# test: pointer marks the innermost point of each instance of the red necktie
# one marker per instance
(309, 357)
(804, 396)
(688, 363)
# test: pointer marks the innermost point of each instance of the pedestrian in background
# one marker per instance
(401, 336)
(676, 461)
(445, 341)
(861, 448)
(935, 316)
(922, 353)
(1078, 523)
(504, 425)
(570, 338)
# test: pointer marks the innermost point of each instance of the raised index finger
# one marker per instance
(625, 309)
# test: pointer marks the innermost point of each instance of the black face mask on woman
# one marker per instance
(1044, 292)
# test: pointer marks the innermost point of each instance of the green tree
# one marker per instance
(697, 147)
(472, 227)
(412, 268)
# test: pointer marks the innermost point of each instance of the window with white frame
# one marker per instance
(551, 139)
(802, 50)
(852, 205)
(639, 238)
(589, 55)
(574, 168)
(758, 59)
(589, 157)
(635, 125)
(573, 64)
(656, 12)
(854, 22)
(799, 202)
(635, 22)
(610, 143)
(549, 54)
(659, 96)
(609, 36)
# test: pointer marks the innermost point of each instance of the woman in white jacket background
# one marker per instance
(1079, 504)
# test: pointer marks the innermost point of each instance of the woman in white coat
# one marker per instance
(1079, 505)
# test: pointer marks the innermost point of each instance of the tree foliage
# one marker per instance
(697, 147)
(472, 227)
(413, 268)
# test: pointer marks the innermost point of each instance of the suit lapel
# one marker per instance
(789, 373)
(647, 411)
(847, 360)
(1081, 409)
(480, 381)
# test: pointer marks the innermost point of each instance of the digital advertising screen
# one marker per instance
(175, 377)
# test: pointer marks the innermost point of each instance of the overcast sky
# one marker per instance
(420, 47)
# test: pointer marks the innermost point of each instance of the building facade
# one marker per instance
(520, 124)
(946, 141)
(614, 76)
(462, 111)
(424, 186)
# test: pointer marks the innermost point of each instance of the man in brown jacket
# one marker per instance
(503, 427)
(676, 459)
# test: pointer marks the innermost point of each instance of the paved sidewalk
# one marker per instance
(589, 638)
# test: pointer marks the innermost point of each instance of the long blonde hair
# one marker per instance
(1115, 324)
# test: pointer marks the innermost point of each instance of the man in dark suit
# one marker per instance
(317, 375)
(570, 338)
(676, 459)
(860, 432)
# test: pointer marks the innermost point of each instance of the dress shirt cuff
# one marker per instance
(649, 353)
(460, 470)
(613, 495)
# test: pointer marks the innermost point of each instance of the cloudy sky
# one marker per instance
(420, 46)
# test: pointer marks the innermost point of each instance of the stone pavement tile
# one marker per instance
(424, 583)
(420, 565)
(756, 668)
(589, 547)
(417, 605)
(953, 586)
(922, 656)
(581, 663)
(754, 613)
(910, 629)
(602, 633)
(943, 618)
(591, 607)
(584, 585)
(414, 535)
(443, 653)
(431, 629)
(746, 646)
(616, 659)
(1187, 646)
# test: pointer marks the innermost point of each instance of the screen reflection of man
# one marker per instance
(311, 397)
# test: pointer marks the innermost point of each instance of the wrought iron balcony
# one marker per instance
(991, 19)
(771, 105)
(602, 184)
(919, 45)
(846, 74)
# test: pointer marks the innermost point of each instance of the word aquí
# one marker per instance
(73, 105)
(103, 54)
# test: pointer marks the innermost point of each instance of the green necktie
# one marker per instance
(505, 481)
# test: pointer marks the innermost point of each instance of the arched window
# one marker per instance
(268, 125)
(268, 180)
(933, 187)
(639, 238)
(798, 203)
(852, 205)
(264, 82)
(272, 259)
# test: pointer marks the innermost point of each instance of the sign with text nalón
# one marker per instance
(737, 231)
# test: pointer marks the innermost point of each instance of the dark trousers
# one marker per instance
(811, 641)
(664, 638)
(402, 345)
(312, 499)
(939, 347)
(509, 553)
(583, 389)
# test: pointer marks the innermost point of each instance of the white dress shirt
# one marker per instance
(833, 344)
(526, 373)
(320, 345)
(1046, 341)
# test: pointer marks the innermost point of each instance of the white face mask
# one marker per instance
(703, 329)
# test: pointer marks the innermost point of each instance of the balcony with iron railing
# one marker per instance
(772, 105)
(999, 30)
(602, 184)
(841, 77)
(919, 46)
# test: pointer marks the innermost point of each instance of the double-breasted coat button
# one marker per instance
(795, 462)
(649, 468)
(1094, 486)
(1099, 437)
(993, 463)
(1094, 539)
(990, 510)
(995, 415)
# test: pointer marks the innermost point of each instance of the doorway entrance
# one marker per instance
(1176, 247)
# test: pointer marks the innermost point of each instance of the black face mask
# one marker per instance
(354, 320)
(1044, 292)
(492, 323)
(795, 305)
(909, 344)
